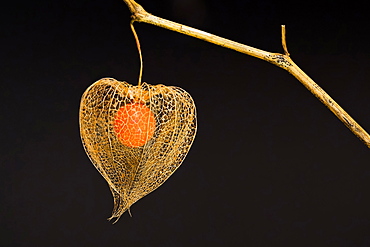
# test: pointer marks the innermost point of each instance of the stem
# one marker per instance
(280, 60)
(330, 103)
(139, 49)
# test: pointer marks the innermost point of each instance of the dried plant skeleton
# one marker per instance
(136, 136)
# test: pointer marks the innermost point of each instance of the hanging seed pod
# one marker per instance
(136, 136)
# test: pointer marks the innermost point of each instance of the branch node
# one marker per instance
(137, 11)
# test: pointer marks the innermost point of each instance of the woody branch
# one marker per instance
(281, 60)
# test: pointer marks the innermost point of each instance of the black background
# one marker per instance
(270, 165)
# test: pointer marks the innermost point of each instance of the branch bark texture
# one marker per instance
(281, 60)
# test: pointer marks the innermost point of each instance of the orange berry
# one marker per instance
(134, 124)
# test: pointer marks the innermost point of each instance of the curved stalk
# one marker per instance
(139, 50)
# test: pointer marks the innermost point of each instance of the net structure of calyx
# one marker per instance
(136, 136)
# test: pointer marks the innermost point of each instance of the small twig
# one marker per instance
(281, 60)
(283, 40)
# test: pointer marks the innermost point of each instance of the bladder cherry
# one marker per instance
(134, 124)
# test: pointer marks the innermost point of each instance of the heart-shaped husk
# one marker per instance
(133, 172)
